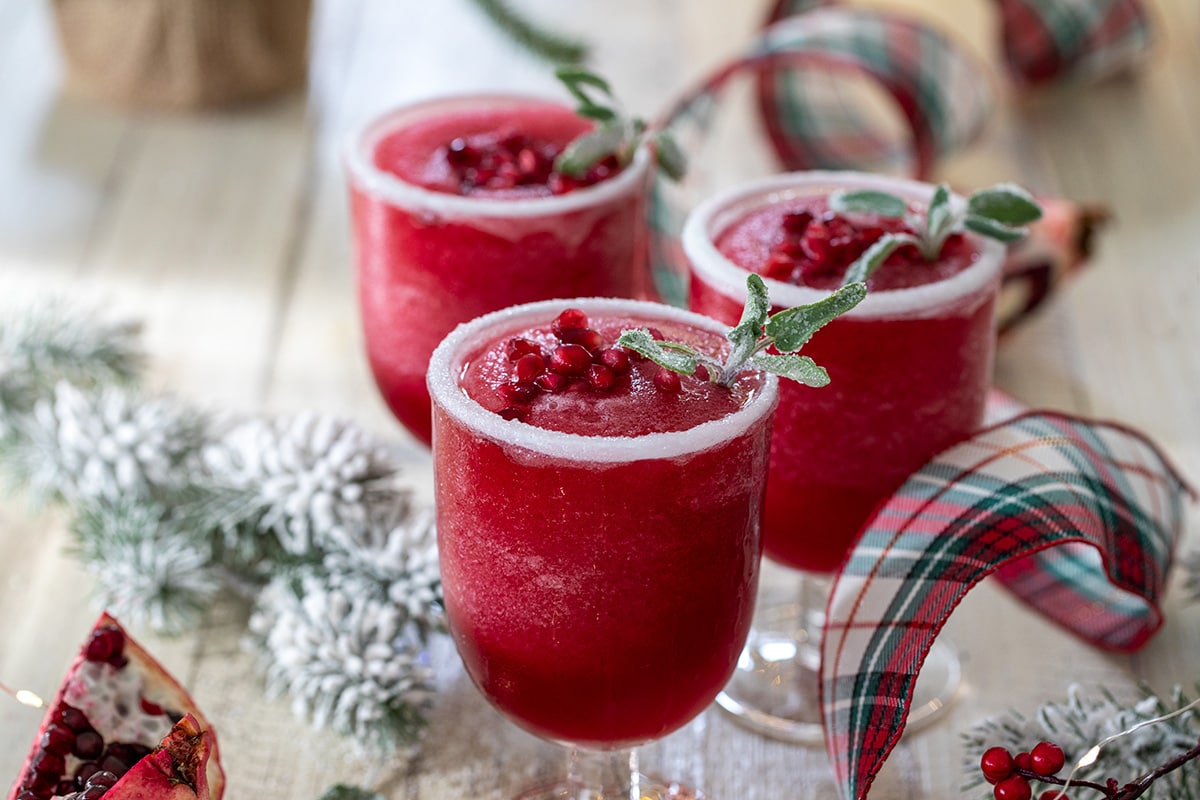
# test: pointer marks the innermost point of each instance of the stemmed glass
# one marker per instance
(429, 258)
(910, 368)
(599, 587)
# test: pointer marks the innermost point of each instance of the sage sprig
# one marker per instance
(999, 212)
(615, 133)
(786, 331)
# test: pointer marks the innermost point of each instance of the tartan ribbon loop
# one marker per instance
(1078, 518)
(1073, 40)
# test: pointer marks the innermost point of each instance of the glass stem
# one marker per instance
(604, 774)
(812, 598)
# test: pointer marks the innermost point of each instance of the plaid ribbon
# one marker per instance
(1050, 40)
(1079, 519)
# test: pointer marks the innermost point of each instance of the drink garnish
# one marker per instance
(999, 212)
(615, 134)
(784, 332)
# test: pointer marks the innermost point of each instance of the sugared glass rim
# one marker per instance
(445, 365)
(360, 163)
(718, 212)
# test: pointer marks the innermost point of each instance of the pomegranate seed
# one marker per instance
(40, 783)
(667, 381)
(88, 745)
(551, 382)
(93, 793)
(75, 719)
(153, 709)
(790, 246)
(569, 319)
(25, 794)
(600, 377)
(63, 788)
(570, 359)
(778, 266)
(656, 334)
(49, 763)
(616, 359)
(517, 394)
(459, 153)
(114, 765)
(1013, 787)
(527, 161)
(996, 764)
(529, 366)
(701, 373)
(105, 643)
(103, 778)
(584, 337)
(85, 770)
(514, 412)
(58, 739)
(561, 184)
(816, 242)
(517, 347)
(1046, 758)
(796, 221)
(118, 660)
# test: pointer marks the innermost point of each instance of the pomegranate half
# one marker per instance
(121, 728)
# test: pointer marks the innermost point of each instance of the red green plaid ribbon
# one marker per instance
(1078, 518)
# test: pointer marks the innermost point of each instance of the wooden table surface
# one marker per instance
(226, 233)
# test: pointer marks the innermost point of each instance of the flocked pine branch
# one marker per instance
(1085, 719)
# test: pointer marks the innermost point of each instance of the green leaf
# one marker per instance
(343, 792)
(874, 256)
(575, 78)
(940, 222)
(1005, 203)
(789, 330)
(745, 335)
(670, 355)
(798, 368)
(584, 151)
(542, 42)
(670, 156)
(992, 229)
(868, 201)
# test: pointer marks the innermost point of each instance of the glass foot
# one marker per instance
(647, 788)
(775, 688)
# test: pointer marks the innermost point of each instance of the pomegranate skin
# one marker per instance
(185, 764)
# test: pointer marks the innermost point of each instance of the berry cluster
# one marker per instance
(1010, 775)
(579, 359)
(499, 162)
(816, 247)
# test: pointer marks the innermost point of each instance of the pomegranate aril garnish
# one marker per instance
(514, 412)
(517, 393)
(600, 377)
(529, 366)
(701, 373)
(779, 266)
(584, 337)
(570, 359)
(796, 221)
(667, 381)
(518, 346)
(569, 320)
(551, 382)
(616, 359)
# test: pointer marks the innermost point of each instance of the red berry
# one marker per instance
(1053, 794)
(529, 366)
(569, 319)
(1047, 758)
(996, 764)
(570, 359)
(667, 381)
(551, 382)
(600, 377)
(1013, 787)
(584, 337)
(616, 359)
(1024, 760)
(517, 347)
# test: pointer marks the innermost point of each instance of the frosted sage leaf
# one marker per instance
(874, 256)
(939, 223)
(786, 331)
(801, 369)
(868, 201)
(791, 329)
(670, 156)
(1005, 203)
(992, 229)
(579, 156)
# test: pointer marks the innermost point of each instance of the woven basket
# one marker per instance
(183, 54)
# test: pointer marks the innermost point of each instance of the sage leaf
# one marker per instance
(675, 357)
(798, 368)
(992, 229)
(791, 329)
(868, 201)
(584, 151)
(1005, 203)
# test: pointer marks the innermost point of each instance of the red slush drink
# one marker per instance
(909, 367)
(456, 211)
(600, 558)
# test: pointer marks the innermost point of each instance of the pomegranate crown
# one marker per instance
(615, 134)
(999, 212)
(785, 332)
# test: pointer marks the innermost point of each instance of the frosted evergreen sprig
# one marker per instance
(350, 662)
(151, 568)
(1085, 719)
